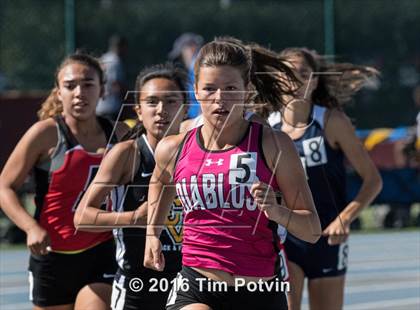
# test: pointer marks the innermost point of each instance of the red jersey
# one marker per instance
(60, 184)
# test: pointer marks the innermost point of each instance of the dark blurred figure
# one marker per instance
(184, 52)
(116, 84)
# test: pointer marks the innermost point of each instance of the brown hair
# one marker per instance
(335, 89)
(52, 105)
(258, 65)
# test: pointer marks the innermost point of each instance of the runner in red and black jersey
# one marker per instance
(67, 269)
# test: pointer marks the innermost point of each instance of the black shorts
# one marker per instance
(146, 291)
(192, 287)
(56, 279)
(317, 260)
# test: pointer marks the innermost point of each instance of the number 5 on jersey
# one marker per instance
(243, 168)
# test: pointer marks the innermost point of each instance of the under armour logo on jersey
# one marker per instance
(210, 162)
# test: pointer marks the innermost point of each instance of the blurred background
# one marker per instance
(36, 35)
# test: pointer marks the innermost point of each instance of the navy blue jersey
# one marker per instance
(131, 241)
(324, 166)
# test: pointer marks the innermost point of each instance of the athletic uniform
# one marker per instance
(223, 227)
(77, 258)
(325, 171)
(131, 242)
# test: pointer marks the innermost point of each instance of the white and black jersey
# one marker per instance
(131, 241)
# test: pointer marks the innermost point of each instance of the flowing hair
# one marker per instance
(259, 67)
(337, 82)
(51, 106)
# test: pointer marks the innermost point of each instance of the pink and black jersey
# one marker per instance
(223, 227)
(60, 184)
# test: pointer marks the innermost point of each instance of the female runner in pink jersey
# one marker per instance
(228, 173)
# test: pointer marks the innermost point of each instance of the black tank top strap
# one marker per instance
(65, 130)
(108, 129)
(146, 155)
(260, 138)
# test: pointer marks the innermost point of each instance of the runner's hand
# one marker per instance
(37, 240)
(337, 232)
(265, 197)
(153, 256)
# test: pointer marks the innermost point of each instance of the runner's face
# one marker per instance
(304, 73)
(161, 108)
(79, 90)
(222, 93)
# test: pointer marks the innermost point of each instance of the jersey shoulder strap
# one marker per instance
(108, 129)
(319, 115)
(146, 152)
(70, 139)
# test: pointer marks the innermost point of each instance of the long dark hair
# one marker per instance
(166, 71)
(336, 89)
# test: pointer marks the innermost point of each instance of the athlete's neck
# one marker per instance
(152, 140)
(296, 113)
(82, 127)
(216, 139)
